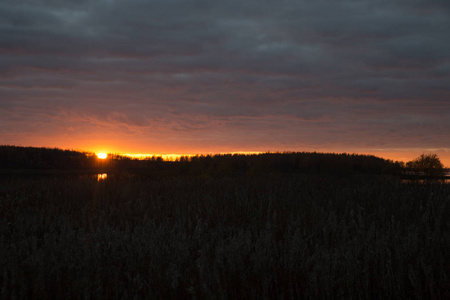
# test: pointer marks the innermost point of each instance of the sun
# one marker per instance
(102, 155)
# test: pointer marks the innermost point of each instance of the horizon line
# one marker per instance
(173, 156)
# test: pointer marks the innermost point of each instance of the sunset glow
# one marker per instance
(102, 155)
(173, 157)
(227, 77)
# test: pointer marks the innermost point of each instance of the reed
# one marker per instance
(258, 237)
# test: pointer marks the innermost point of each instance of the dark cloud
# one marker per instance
(318, 73)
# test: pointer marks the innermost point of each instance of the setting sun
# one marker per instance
(102, 155)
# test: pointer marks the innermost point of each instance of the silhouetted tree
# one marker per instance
(427, 164)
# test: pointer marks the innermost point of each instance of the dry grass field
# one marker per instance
(247, 237)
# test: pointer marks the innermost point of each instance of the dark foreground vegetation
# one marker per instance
(284, 236)
(268, 226)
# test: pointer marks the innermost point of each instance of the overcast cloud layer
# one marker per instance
(190, 76)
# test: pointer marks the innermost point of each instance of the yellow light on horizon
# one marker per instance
(102, 155)
(173, 157)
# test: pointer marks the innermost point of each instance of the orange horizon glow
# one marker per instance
(397, 155)
(175, 156)
(135, 148)
(135, 151)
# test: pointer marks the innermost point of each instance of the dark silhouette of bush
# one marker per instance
(426, 164)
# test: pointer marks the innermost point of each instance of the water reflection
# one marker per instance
(102, 176)
(443, 181)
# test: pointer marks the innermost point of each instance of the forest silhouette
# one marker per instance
(48, 159)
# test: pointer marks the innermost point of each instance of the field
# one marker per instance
(245, 237)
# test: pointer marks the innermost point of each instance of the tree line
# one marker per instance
(32, 158)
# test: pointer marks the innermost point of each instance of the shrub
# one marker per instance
(426, 164)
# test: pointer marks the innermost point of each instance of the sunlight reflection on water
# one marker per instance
(102, 176)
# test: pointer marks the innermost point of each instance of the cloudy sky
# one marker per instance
(207, 76)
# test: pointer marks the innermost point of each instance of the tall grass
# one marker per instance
(266, 237)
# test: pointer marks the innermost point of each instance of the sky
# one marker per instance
(207, 76)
